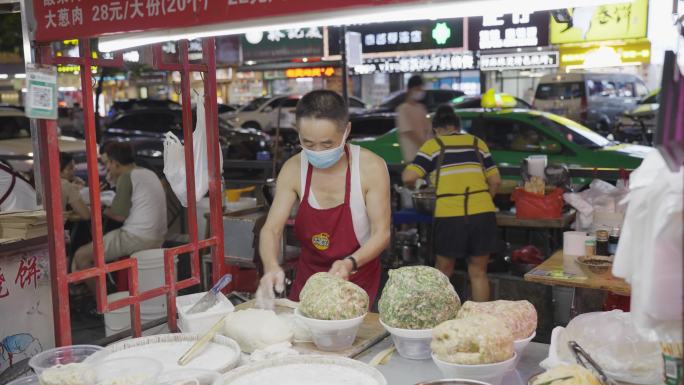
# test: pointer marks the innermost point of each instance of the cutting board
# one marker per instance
(370, 333)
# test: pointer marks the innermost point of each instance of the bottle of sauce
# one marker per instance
(613, 240)
(602, 243)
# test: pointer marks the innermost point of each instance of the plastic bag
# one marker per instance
(174, 160)
(534, 206)
(613, 341)
(601, 196)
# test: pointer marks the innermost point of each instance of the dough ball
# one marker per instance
(256, 329)
(418, 297)
(519, 316)
(327, 297)
(476, 340)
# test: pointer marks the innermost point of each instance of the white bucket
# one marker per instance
(120, 319)
(151, 276)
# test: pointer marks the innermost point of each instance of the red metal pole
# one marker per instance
(48, 144)
(93, 172)
(213, 157)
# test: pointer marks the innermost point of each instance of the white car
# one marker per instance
(16, 148)
(262, 113)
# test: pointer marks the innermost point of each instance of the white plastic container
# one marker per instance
(411, 344)
(332, 335)
(519, 346)
(118, 320)
(201, 322)
(190, 376)
(151, 276)
(490, 373)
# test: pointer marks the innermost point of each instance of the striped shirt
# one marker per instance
(461, 169)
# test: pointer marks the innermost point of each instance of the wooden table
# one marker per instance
(549, 273)
(552, 227)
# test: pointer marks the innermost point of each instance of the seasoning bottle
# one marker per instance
(590, 247)
(602, 242)
(613, 240)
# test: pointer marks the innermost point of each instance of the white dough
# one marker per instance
(256, 329)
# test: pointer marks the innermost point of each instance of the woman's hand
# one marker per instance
(342, 268)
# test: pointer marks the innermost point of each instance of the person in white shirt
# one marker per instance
(16, 193)
(413, 125)
(140, 203)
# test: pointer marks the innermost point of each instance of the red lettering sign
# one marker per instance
(68, 19)
(27, 273)
(4, 292)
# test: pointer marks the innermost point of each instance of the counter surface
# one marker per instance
(402, 371)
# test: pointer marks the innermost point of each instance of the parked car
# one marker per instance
(16, 147)
(594, 99)
(146, 129)
(639, 124)
(514, 134)
(262, 113)
(470, 101)
(432, 100)
(121, 106)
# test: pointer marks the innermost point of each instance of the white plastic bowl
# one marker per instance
(519, 346)
(71, 354)
(332, 335)
(411, 344)
(490, 373)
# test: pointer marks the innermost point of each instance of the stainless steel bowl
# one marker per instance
(453, 381)
(424, 202)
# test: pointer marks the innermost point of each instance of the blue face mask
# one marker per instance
(325, 158)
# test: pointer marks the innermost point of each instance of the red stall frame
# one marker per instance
(49, 155)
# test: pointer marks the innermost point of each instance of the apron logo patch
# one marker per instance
(321, 241)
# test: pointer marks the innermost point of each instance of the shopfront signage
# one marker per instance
(67, 19)
(621, 21)
(605, 55)
(318, 72)
(403, 36)
(282, 44)
(425, 63)
(519, 60)
(508, 31)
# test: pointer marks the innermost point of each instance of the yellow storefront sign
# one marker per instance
(627, 20)
(605, 55)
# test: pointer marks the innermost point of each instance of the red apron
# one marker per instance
(327, 236)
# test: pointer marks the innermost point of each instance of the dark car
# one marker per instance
(432, 100)
(145, 129)
(121, 106)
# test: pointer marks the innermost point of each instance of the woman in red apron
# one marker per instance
(346, 238)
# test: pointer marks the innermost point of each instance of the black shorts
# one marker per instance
(457, 238)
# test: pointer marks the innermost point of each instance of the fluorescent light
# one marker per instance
(4, 76)
(421, 11)
(305, 60)
(20, 76)
(250, 62)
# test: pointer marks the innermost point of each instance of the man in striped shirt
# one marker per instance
(466, 179)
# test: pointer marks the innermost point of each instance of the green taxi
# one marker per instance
(514, 134)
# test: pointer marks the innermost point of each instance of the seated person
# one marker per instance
(71, 189)
(140, 203)
(526, 141)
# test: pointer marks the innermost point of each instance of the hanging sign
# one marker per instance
(508, 31)
(66, 19)
(282, 44)
(41, 92)
(426, 63)
(519, 60)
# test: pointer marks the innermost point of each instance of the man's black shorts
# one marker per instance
(456, 237)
